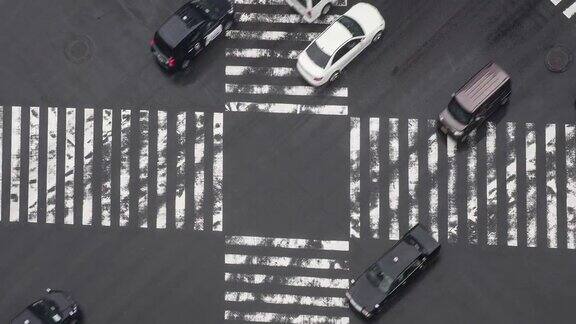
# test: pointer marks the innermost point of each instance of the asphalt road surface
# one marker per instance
(235, 193)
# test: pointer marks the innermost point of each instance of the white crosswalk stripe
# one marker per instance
(104, 136)
(267, 280)
(569, 11)
(464, 185)
(276, 2)
(281, 18)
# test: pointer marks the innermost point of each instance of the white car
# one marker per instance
(324, 59)
(311, 9)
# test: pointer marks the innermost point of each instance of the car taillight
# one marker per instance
(171, 62)
(152, 42)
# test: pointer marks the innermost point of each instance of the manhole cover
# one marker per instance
(558, 59)
(79, 49)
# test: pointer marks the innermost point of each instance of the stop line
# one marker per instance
(458, 189)
(113, 167)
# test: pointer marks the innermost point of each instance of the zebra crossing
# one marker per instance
(112, 168)
(261, 73)
(569, 7)
(527, 199)
(285, 280)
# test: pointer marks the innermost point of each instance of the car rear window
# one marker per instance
(352, 26)
(163, 46)
(461, 115)
(317, 55)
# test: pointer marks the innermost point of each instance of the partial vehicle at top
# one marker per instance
(54, 307)
(383, 279)
(476, 101)
(186, 33)
(311, 9)
(325, 58)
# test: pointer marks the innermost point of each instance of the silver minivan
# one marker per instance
(311, 9)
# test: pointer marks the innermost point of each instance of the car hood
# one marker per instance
(306, 64)
(24, 316)
(365, 294)
(450, 122)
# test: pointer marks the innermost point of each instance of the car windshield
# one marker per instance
(317, 55)
(378, 278)
(461, 115)
(46, 310)
(352, 26)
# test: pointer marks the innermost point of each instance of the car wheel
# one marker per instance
(185, 64)
(326, 8)
(377, 37)
(228, 24)
(334, 76)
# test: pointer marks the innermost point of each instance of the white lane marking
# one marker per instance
(15, 164)
(571, 186)
(491, 186)
(51, 159)
(88, 166)
(1, 153)
(472, 192)
(354, 177)
(262, 53)
(33, 163)
(262, 89)
(286, 108)
(433, 160)
(218, 170)
(144, 122)
(556, 2)
(285, 299)
(452, 210)
(531, 186)
(262, 317)
(551, 189)
(162, 149)
(287, 243)
(394, 185)
(180, 197)
(413, 210)
(199, 172)
(274, 71)
(374, 166)
(570, 11)
(271, 35)
(511, 179)
(277, 261)
(294, 281)
(69, 165)
(106, 163)
(276, 2)
(250, 17)
(125, 126)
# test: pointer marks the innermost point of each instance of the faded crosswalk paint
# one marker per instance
(33, 163)
(144, 120)
(285, 299)
(287, 243)
(271, 35)
(394, 174)
(355, 177)
(180, 198)
(88, 166)
(531, 188)
(262, 53)
(295, 281)
(235, 70)
(433, 159)
(491, 186)
(276, 2)
(162, 149)
(452, 209)
(511, 178)
(374, 160)
(279, 261)
(125, 127)
(281, 18)
(263, 89)
(51, 160)
(286, 108)
(15, 164)
(571, 186)
(283, 318)
(199, 172)
(551, 189)
(69, 164)
(413, 211)
(106, 165)
(471, 191)
(218, 170)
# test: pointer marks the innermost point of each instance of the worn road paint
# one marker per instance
(264, 89)
(294, 281)
(551, 189)
(268, 18)
(433, 160)
(355, 177)
(413, 209)
(394, 174)
(268, 35)
(288, 243)
(218, 170)
(162, 149)
(511, 179)
(106, 164)
(278, 261)
(180, 197)
(199, 172)
(491, 186)
(374, 161)
(51, 159)
(277, 2)
(283, 318)
(531, 188)
(88, 166)
(452, 209)
(286, 108)
(276, 71)
(285, 299)
(125, 129)
(472, 191)
(262, 53)
(33, 163)
(15, 163)
(144, 123)
(571, 186)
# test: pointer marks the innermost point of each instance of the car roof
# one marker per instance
(483, 85)
(332, 38)
(185, 21)
(405, 253)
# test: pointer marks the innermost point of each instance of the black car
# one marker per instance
(402, 262)
(55, 307)
(189, 31)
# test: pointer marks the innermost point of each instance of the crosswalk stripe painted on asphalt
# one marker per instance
(295, 281)
(69, 165)
(280, 261)
(285, 299)
(253, 17)
(472, 191)
(262, 53)
(88, 166)
(394, 174)
(531, 186)
(180, 197)
(161, 167)
(235, 70)
(33, 164)
(277, 2)
(570, 11)
(16, 133)
(452, 207)
(52, 141)
(511, 179)
(571, 185)
(125, 129)
(355, 177)
(551, 189)
(265, 317)
(264, 89)
(286, 108)
(143, 171)
(413, 211)
(491, 186)
(199, 172)
(374, 161)
(433, 161)
(218, 170)
(106, 167)
(287, 243)
(271, 35)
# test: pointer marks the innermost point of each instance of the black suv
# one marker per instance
(189, 31)
(55, 307)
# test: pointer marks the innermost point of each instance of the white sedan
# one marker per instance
(325, 58)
